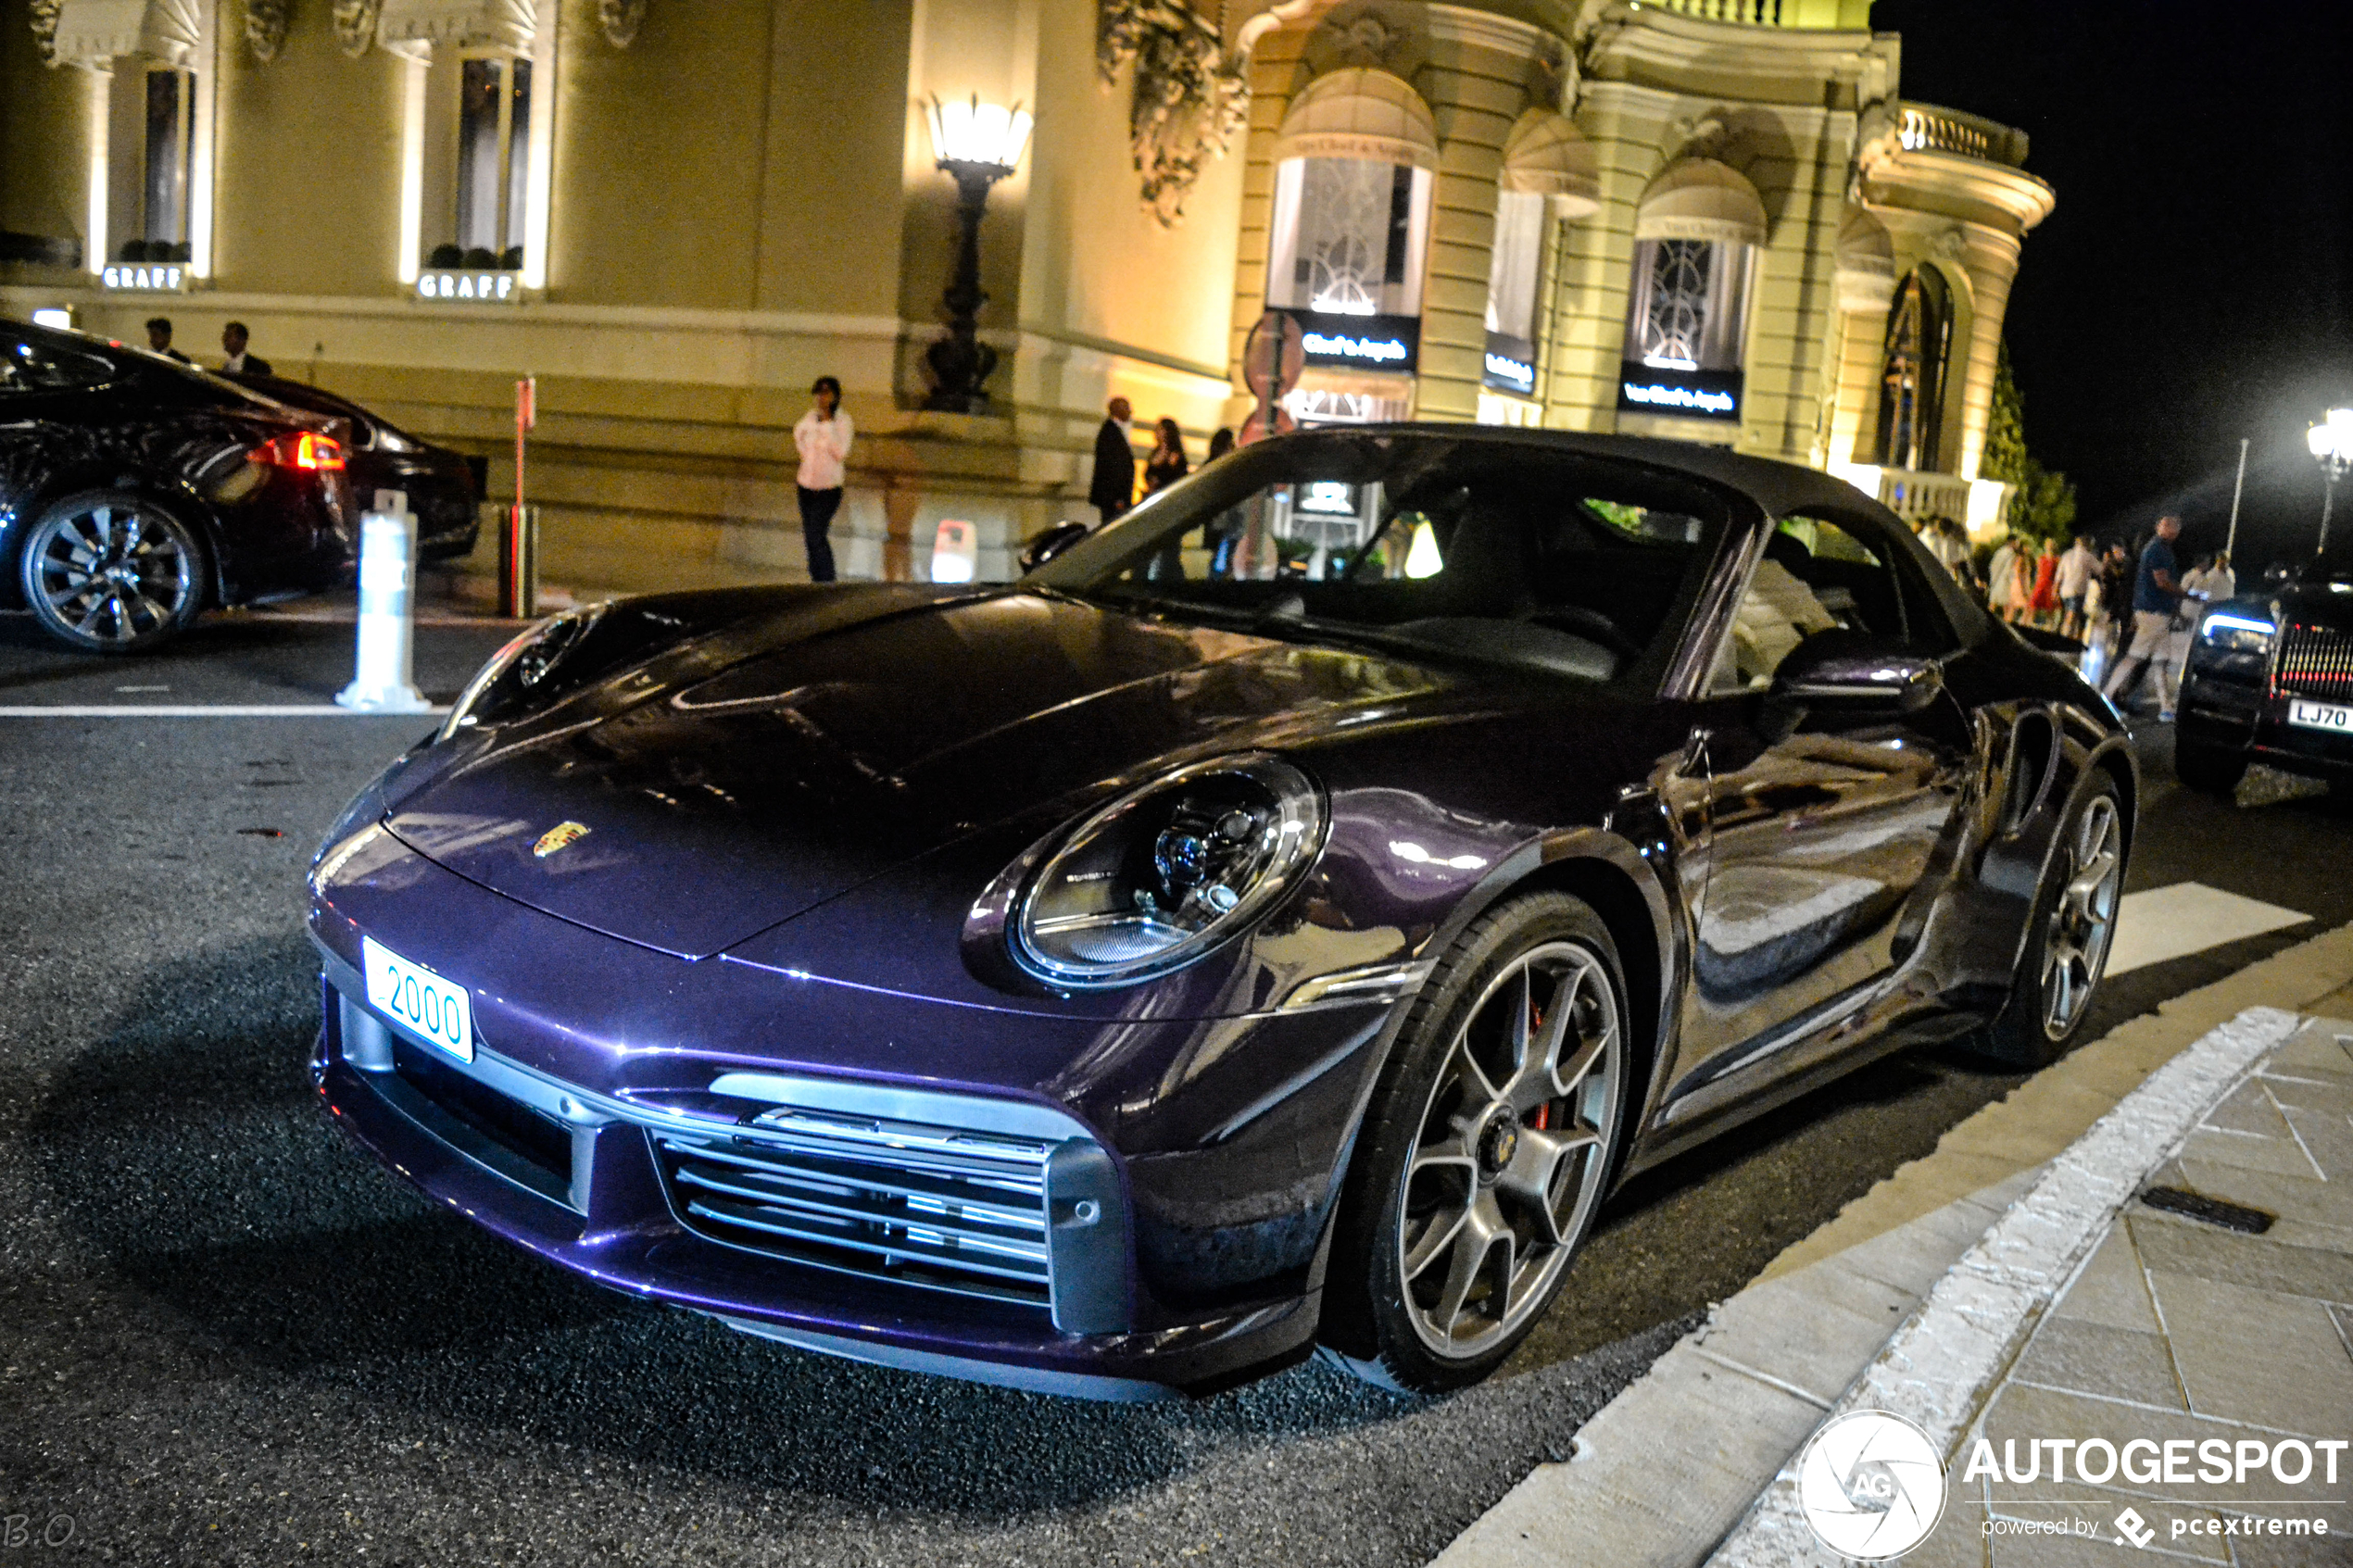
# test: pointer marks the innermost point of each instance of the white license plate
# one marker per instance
(2321, 716)
(420, 1001)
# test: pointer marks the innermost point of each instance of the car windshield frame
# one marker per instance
(1098, 570)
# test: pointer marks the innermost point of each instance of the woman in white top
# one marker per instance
(2212, 580)
(823, 437)
(2001, 581)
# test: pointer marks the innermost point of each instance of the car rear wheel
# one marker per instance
(2206, 768)
(1485, 1152)
(109, 571)
(2068, 939)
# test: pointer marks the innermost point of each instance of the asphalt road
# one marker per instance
(224, 1337)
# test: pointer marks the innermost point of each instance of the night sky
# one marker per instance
(2190, 289)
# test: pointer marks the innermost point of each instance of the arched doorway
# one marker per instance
(1912, 408)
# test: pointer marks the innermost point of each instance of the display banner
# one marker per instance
(1360, 343)
(1682, 395)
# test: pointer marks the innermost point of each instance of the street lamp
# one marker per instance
(976, 144)
(2332, 444)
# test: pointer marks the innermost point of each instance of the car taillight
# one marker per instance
(304, 449)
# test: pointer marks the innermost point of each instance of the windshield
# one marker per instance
(1494, 549)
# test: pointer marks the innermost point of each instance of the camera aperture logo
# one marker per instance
(1871, 1485)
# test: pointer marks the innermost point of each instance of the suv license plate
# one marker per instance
(2321, 716)
(418, 1000)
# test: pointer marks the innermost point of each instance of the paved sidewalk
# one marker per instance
(2180, 1329)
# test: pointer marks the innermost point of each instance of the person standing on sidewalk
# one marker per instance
(159, 339)
(2075, 569)
(239, 361)
(2041, 599)
(823, 438)
(2156, 598)
(2001, 578)
(1113, 489)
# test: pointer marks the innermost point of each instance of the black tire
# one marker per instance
(2068, 934)
(1536, 1158)
(2206, 768)
(110, 571)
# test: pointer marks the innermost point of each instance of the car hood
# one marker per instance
(742, 778)
(2320, 603)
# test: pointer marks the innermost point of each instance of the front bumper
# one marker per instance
(598, 1062)
(2239, 716)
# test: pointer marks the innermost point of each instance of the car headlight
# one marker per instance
(1167, 873)
(516, 670)
(2235, 633)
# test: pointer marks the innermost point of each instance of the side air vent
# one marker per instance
(2033, 749)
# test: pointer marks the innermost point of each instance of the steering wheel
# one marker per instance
(1591, 624)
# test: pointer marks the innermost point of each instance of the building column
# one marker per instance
(1991, 259)
(1475, 111)
(1595, 270)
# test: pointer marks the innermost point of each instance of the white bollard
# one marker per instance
(955, 552)
(382, 682)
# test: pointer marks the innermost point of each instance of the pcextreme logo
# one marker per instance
(1871, 1485)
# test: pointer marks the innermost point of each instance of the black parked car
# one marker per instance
(1135, 977)
(2269, 680)
(444, 487)
(136, 490)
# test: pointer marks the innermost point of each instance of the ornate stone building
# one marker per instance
(1711, 220)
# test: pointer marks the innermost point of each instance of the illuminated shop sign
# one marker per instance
(1363, 343)
(1511, 364)
(1683, 394)
(470, 286)
(1328, 498)
(168, 278)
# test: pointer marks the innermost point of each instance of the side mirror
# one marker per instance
(1045, 546)
(1840, 668)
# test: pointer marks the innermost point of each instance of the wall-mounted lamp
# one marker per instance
(976, 144)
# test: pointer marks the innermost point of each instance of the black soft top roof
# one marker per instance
(1779, 489)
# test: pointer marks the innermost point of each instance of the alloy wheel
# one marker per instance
(2083, 923)
(111, 573)
(1512, 1150)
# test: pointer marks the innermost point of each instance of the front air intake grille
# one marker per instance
(2316, 662)
(923, 1205)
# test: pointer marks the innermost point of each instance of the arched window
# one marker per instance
(1911, 407)
(1696, 235)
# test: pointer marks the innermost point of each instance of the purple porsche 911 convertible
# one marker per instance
(1274, 924)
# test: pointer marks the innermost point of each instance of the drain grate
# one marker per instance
(2213, 1211)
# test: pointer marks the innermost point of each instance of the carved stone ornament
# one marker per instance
(45, 28)
(1193, 93)
(266, 28)
(1368, 41)
(620, 20)
(356, 25)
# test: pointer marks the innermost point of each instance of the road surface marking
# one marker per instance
(2189, 917)
(207, 710)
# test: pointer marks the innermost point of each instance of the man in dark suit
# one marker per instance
(1113, 490)
(159, 338)
(239, 362)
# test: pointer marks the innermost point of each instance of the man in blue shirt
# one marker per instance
(2156, 598)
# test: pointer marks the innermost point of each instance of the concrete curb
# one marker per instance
(1665, 1471)
(1950, 1353)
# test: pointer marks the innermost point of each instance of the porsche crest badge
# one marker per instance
(555, 837)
